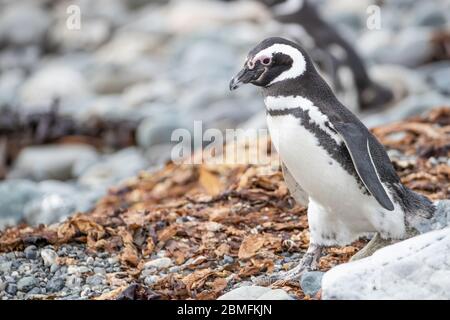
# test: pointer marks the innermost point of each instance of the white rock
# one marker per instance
(255, 293)
(50, 83)
(73, 269)
(14, 195)
(51, 161)
(10, 82)
(409, 47)
(417, 268)
(189, 15)
(23, 22)
(49, 256)
(113, 168)
(113, 78)
(411, 105)
(160, 263)
(158, 129)
(58, 200)
(126, 48)
(142, 93)
(90, 36)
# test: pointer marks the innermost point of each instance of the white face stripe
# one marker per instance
(288, 7)
(298, 60)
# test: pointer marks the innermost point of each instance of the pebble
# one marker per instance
(49, 256)
(55, 284)
(72, 269)
(227, 259)
(27, 283)
(311, 282)
(160, 263)
(11, 288)
(54, 267)
(95, 280)
(150, 280)
(31, 252)
(99, 270)
(73, 282)
(5, 267)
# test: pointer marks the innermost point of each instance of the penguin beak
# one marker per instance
(244, 76)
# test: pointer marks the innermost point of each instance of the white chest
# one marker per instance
(322, 177)
(339, 211)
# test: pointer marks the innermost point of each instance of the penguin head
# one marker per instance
(273, 60)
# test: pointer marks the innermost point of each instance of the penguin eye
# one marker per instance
(266, 61)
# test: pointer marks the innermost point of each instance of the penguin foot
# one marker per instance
(309, 262)
(374, 244)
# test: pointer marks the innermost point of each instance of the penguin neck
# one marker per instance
(309, 86)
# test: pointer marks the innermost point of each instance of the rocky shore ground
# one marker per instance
(76, 105)
(198, 232)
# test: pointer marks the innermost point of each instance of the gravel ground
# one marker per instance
(68, 272)
(73, 272)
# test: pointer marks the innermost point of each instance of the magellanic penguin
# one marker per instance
(329, 157)
(336, 54)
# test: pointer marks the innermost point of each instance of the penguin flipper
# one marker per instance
(358, 145)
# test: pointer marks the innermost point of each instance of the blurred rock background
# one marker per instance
(82, 110)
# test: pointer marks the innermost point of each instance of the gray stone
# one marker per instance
(112, 169)
(441, 79)
(73, 282)
(49, 256)
(150, 280)
(410, 47)
(111, 79)
(255, 293)
(72, 269)
(10, 82)
(2, 286)
(411, 105)
(142, 94)
(93, 33)
(34, 291)
(25, 284)
(15, 16)
(160, 263)
(227, 259)
(14, 195)
(95, 280)
(11, 288)
(54, 267)
(99, 270)
(430, 16)
(31, 252)
(57, 81)
(57, 201)
(158, 129)
(6, 267)
(50, 161)
(311, 282)
(55, 284)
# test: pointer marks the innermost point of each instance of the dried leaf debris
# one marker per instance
(223, 224)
